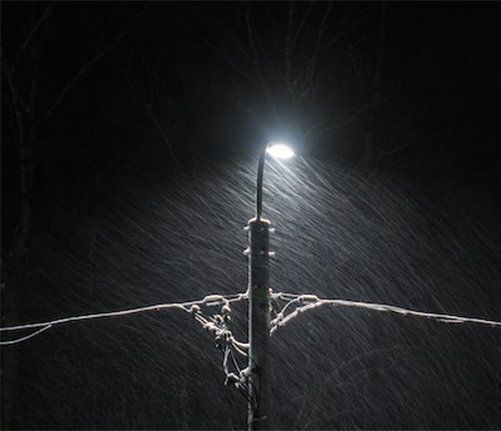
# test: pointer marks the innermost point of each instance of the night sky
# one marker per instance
(130, 134)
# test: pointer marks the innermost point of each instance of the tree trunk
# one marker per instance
(15, 286)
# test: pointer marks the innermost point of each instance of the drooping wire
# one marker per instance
(27, 337)
(190, 307)
(286, 306)
(217, 324)
(305, 302)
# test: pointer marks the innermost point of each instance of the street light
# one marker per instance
(259, 297)
(275, 149)
(279, 150)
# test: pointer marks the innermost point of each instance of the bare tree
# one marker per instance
(288, 72)
(153, 92)
(22, 78)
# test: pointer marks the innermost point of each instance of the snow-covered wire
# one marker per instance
(303, 302)
(27, 337)
(190, 307)
(217, 324)
(307, 302)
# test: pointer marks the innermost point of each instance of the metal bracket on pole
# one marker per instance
(259, 322)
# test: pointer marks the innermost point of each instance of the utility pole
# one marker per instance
(259, 322)
(259, 297)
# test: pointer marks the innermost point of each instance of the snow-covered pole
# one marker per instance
(259, 297)
(259, 308)
(259, 323)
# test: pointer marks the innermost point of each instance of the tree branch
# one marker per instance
(257, 67)
(69, 85)
(310, 75)
(45, 15)
(225, 58)
(16, 102)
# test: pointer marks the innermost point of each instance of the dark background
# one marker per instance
(129, 138)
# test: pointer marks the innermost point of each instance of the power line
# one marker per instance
(27, 337)
(192, 307)
(307, 302)
(215, 325)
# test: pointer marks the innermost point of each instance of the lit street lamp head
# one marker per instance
(279, 150)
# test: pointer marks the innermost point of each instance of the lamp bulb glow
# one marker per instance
(280, 151)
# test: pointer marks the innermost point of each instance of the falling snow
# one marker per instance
(155, 242)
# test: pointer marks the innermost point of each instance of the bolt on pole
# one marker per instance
(259, 322)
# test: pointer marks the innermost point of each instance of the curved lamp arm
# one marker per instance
(259, 182)
(278, 150)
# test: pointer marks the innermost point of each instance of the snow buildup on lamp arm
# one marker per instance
(296, 304)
